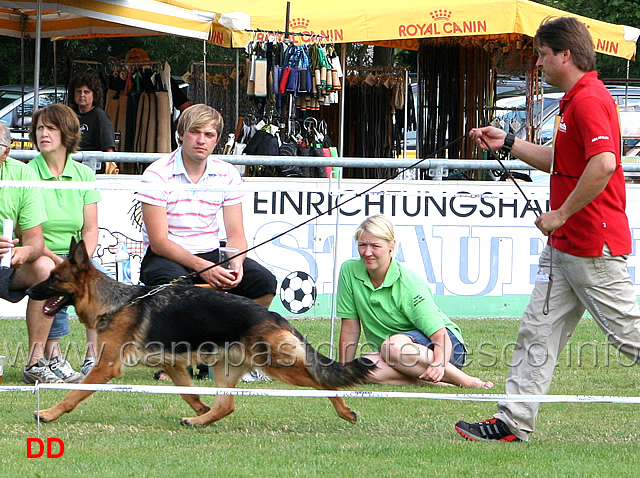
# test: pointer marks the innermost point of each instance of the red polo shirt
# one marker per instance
(589, 125)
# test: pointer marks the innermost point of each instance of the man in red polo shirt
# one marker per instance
(587, 226)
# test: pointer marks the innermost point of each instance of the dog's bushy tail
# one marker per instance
(333, 374)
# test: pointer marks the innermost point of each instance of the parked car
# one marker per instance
(511, 116)
(16, 110)
(510, 113)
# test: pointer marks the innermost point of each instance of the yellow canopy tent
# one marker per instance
(401, 24)
(87, 18)
(98, 18)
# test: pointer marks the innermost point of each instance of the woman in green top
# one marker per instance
(415, 342)
(55, 131)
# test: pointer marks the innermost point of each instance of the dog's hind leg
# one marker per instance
(298, 375)
(102, 372)
(344, 412)
(224, 404)
(181, 378)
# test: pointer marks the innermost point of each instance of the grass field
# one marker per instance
(130, 434)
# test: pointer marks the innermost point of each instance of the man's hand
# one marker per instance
(549, 222)
(223, 279)
(7, 247)
(493, 136)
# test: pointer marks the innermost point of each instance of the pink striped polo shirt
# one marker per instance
(191, 215)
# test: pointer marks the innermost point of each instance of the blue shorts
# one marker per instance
(458, 354)
(60, 326)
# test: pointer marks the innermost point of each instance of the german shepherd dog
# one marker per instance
(180, 324)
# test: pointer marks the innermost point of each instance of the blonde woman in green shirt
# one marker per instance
(55, 131)
(414, 341)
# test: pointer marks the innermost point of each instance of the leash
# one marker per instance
(333, 208)
(545, 307)
(193, 274)
(177, 280)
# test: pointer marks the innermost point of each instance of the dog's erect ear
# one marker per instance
(72, 246)
(78, 254)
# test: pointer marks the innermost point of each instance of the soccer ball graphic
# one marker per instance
(298, 292)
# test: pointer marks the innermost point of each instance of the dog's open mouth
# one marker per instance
(53, 304)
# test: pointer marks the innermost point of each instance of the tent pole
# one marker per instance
(237, 86)
(23, 21)
(343, 92)
(204, 69)
(55, 69)
(36, 67)
(407, 85)
(286, 25)
(626, 87)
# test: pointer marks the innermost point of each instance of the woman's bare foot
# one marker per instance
(477, 383)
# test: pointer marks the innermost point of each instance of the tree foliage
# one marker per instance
(620, 12)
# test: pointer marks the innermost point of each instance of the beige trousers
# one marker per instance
(600, 285)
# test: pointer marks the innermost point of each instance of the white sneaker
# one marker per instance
(40, 372)
(64, 370)
(256, 376)
(88, 364)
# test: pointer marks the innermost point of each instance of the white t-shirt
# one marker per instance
(191, 215)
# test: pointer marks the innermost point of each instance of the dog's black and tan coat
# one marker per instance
(181, 325)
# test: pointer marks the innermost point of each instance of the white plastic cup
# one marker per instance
(225, 254)
(7, 231)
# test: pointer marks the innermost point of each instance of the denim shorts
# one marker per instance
(458, 354)
(60, 326)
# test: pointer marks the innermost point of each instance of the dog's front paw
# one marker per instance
(45, 416)
(187, 421)
(354, 417)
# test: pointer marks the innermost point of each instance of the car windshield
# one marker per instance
(8, 97)
(510, 114)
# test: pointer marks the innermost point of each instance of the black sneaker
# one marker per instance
(492, 429)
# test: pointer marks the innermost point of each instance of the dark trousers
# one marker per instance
(256, 280)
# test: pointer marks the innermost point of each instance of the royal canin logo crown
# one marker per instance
(299, 24)
(441, 14)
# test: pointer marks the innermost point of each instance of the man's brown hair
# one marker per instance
(567, 33)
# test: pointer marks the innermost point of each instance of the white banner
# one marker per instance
(475, 243)
(469, 240)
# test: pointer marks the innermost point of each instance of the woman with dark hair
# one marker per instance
(85, 98)
(55, 131)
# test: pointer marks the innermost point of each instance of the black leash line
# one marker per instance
(509, 175)
(177, 280)
(333, 208)
(545, 307)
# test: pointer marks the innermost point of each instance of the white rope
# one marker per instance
(245, 187)
(469, 397)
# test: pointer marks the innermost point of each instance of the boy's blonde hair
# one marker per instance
(198, 116)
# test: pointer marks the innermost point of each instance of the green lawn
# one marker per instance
(135, 434)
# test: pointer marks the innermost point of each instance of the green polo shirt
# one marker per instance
(23, 205)
(403, 302)
(65, 207)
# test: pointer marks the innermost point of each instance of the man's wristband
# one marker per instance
(508, 143)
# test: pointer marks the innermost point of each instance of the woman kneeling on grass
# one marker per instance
(416, 342)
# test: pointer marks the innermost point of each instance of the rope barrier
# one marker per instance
(132, 185)
(468, 397)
